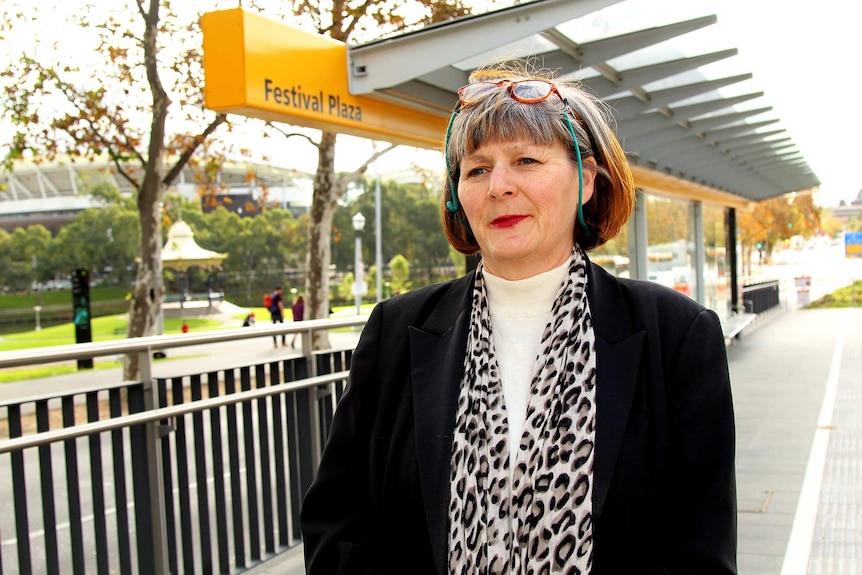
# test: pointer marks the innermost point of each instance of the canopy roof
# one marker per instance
(181, 252)
(686, 130)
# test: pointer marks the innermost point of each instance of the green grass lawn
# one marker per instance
(103, 329)
(59, 297)
(112, 328)
(849, 296)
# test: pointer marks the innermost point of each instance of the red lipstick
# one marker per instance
(507, 221)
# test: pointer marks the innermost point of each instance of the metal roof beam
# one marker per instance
(703, 161)
(421, 95)
(600, 51)
(649, 123)
(732, 177)
(390, 62)
(655, 140)
(720, 134)
(788, 165)
(799, 178)
(769, 152)
(446, 78)
(706, 124)
(637, 77)
(765, 161)
(736, 151)
(748, 138)
(640, 146)
(629, 106)
(717, 168)
(793, 183)
(668, 153)
(730, 147)
(703, 108)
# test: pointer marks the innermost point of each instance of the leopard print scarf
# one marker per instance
(534, 516)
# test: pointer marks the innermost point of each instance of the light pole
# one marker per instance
(378, 233)
(358, 272)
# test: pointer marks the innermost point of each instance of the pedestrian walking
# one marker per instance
(298, 310)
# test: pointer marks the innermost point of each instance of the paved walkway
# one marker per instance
(795, 442)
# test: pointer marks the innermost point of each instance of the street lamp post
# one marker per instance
(358, 273)
(378, 233)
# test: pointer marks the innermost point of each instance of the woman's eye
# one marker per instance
(475, 172)
(527, 161)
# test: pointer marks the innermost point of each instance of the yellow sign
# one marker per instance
(257, 67)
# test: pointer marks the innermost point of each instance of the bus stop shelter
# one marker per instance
(706, 138)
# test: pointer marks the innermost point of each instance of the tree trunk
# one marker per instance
(149, 292)
(323, 203)
(149, 289)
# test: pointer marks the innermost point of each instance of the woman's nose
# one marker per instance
(501, 183)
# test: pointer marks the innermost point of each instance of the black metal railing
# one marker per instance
(760, 296)
(202, 473)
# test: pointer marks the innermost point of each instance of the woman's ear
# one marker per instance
(590, 171)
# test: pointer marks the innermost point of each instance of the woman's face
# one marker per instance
(521, 200)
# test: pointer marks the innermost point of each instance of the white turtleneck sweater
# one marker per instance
(520, 310)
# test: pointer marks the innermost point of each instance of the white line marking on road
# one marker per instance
(799, 547)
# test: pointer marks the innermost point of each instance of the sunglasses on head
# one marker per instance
(526, 91)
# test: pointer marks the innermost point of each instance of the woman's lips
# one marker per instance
(507, 221)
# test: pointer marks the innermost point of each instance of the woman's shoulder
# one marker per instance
(644, 298)
(414, 305)
(430, 294)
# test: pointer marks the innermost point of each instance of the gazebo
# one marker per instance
(181, 252)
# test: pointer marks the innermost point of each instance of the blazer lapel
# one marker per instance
(437, 365)
(616, 376)
(618, 356)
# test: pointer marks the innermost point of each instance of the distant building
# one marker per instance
(52, 194)
(846, 212)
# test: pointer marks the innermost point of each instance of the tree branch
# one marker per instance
(121, 170)
(189, 151)
(141, 10)
(288, 135)
(348, 179)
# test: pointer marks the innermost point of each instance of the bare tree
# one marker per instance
(115, 106)
(343, 20)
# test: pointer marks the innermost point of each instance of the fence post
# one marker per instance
(155, 487)
(314, 404)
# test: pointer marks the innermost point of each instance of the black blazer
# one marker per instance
(664, 498)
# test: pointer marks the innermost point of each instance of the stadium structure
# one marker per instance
(52, 194)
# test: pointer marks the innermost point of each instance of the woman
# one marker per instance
(538, 415)
(298, 309)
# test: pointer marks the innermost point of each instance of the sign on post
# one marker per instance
(853, 244)
(260, 68)
(81, 312)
